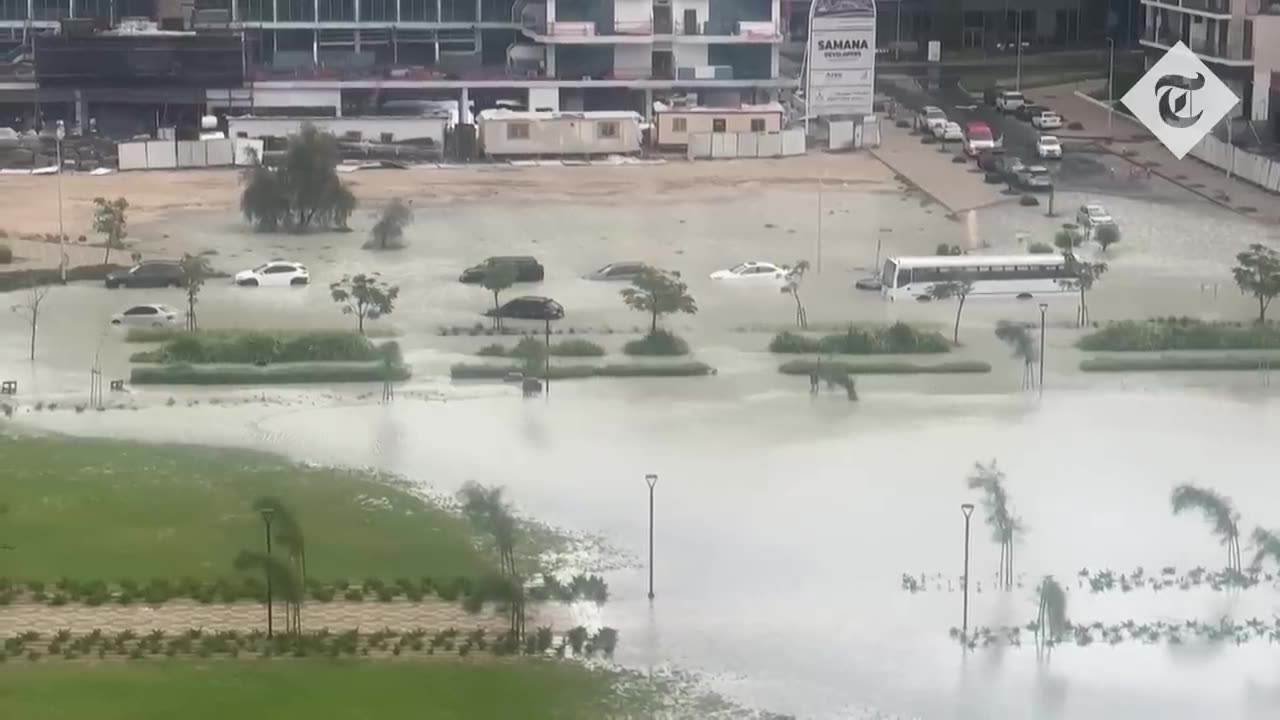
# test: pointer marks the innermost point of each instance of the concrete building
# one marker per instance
(509, 133)
(1235, 38)
(674, 125)
(378, 129)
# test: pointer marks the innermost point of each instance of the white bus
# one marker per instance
(1024, 277)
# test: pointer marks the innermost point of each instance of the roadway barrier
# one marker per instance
(171, 154)
(746, 145)
(1259, 170)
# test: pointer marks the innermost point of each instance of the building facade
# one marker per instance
(1235, 38)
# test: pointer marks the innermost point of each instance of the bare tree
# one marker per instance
(30, 308)
(792, 287)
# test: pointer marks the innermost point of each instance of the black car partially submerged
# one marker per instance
(528, 269)
(529, 307)
(148, 274)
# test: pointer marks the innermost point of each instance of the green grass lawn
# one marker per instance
(93, 509)
(305, 690)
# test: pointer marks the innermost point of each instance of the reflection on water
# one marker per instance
(783, 526)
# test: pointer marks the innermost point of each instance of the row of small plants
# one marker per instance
(157, 591)
(1151, 633)
(1181, 333)
(284, 373)
(255, 347)
(1101, 581)
(128, 644)
(479, 329)
(466, 371)
(577, 347)
(891, 367)
(898, 338)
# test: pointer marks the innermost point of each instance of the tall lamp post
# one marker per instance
(651, 480)
(1043, 308)
(59, 133)
(1111, 82)
(1018, 80)
(967, 509)
(266, 520)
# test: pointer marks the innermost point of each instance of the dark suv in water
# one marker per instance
(528, 269)
(148, 274)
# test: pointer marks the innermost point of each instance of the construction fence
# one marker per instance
(177, 154)
(746, 145)
(1257, 169)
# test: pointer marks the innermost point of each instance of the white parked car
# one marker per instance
(752, 271)
(933, 118)
(1092, 215)
(951, 132)
(1009, 100)
(274, 273)
(1047, 120)
(1048, 147)
(146, 316)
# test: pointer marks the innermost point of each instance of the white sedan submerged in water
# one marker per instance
(752, 271)
(274, 273)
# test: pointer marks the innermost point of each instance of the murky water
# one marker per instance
(784, 524)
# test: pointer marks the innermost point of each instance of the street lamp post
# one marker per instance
(651, 480)
(59, 134)
(1043, 308)
(266, 520)
(1018, 81)
(1111, 82)
(967, 509)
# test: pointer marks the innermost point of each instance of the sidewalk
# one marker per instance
(1135, 143)
(955, 186)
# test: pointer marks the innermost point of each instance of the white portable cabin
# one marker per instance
(372, 128)
(513, 133)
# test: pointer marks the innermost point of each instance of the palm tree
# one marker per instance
(283, 578)
(1005, 526)
(1051, 622)
(792, 287)
(1266, 544)
(1024, 348)
(489, 511)
(287, 533)
(1081, 276)
(1218, 510)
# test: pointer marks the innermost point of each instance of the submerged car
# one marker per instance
(152, 315)
(617, 271)
(751, 271)
(529, 307)
(274, 273)
(1035, 177)
(1092, 215)
(528, 269)
(148, 274)
(1047, 120)
(1048, 147)
(951, 132)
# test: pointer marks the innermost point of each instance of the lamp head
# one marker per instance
(1044, 306)
(967, 509)
(651, 479)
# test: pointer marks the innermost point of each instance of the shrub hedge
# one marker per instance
(1181, 334)
(6, 254)
(893, 367)
(243, 374)
(465, 371)
(657, 343)
(267, 348)
(898, 338)
(1176, 363)
(20, 279)
(577, 347)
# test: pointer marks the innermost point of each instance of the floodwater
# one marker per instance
(784, 524)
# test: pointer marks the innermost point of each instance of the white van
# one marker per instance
(1009, 101)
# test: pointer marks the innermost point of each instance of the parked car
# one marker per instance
(1035, 177)
(931, 117)
(1009, 166)
(528, 269)
(950, 132)
(990, 160)
(1046, 120)
(978, 137)
(1028, 111)
(989, 96)
(626, 271)
(1048, 147)
(273, 274)
(529, 307)
(1092, 215)
(1009, 101)
(148, 274)
(146, 316)
(752, 271)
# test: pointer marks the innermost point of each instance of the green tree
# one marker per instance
(658, 293)
(1257, 273)
(4, 510)
(1066, 239)
(791, 287)
(301, 192)
(365, 295)
(1024, 348)
(488, 511)
(282, 576)
(1051, 621)
(1218, 510)
(194, 270)
(388, 232)
(286, 531)
(109, 221)
(1266, 545)
(1081, 276)
(1106, 235)
(1005, 526)
(958, 289)
(498, 276)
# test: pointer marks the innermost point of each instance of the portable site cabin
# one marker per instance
(427, 129)
(511, 133)
(675, 124)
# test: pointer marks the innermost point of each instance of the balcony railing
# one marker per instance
(1208, 47)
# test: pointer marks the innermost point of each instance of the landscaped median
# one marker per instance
(476, 371)
(1181, 362)
(896, 339)
(254, 358)
(1181, 334)
(885, 367)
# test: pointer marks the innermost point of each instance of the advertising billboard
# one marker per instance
(840, 71)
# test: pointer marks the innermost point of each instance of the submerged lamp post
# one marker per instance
(651, 480)
(967, 509)
(59, 134)
(266, 520)
(1043, 308)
